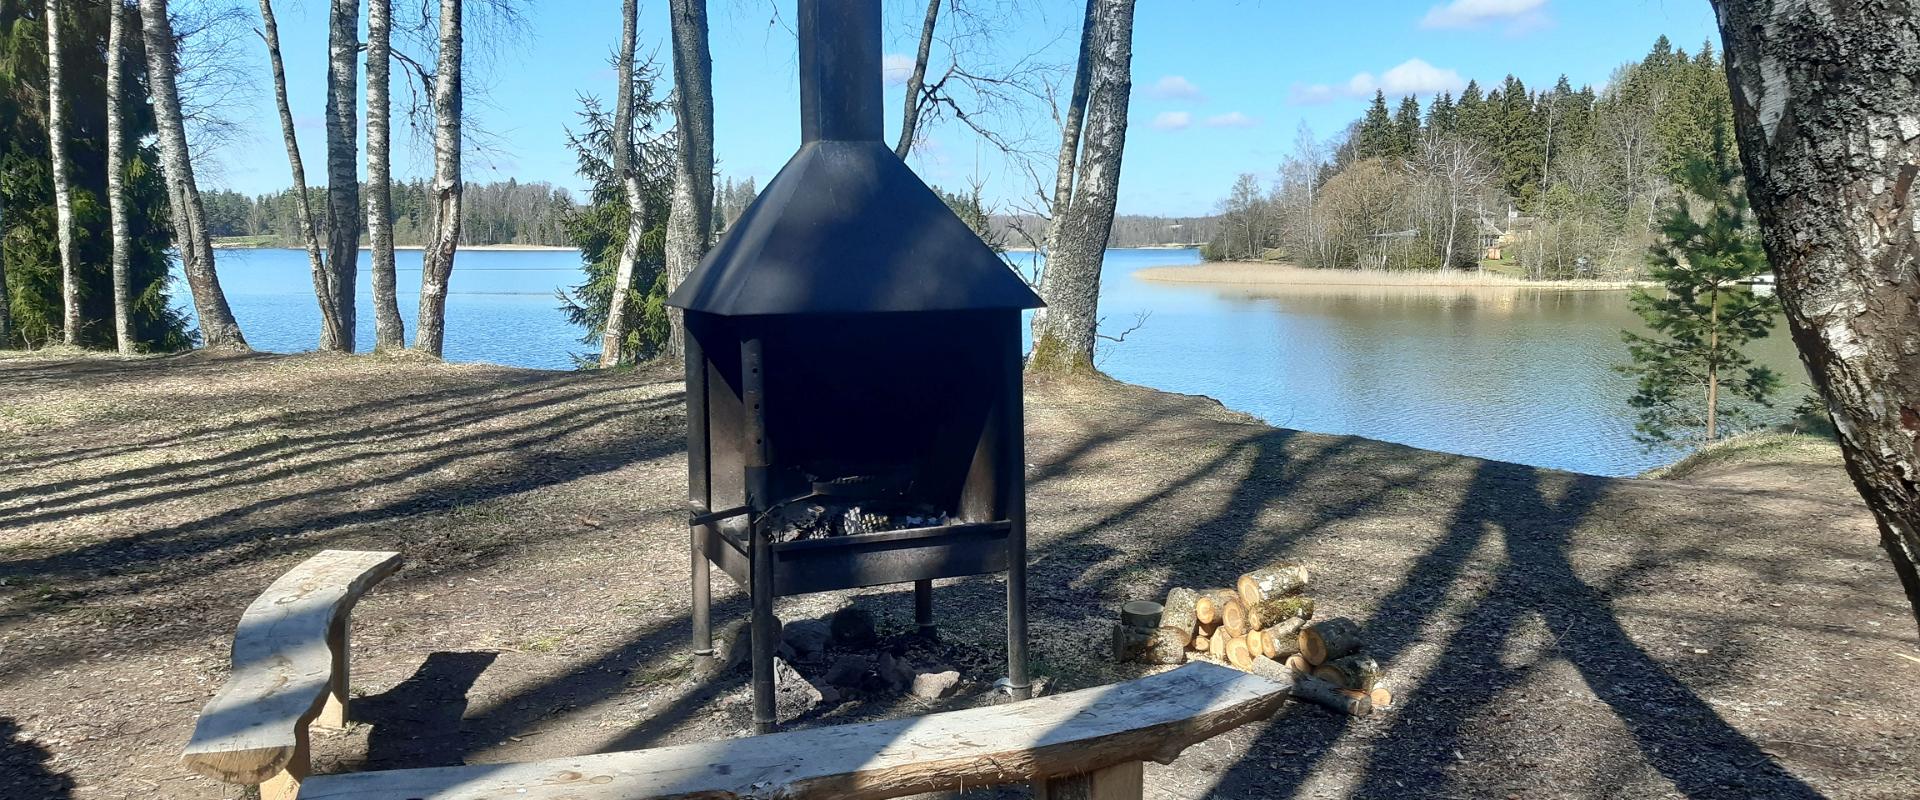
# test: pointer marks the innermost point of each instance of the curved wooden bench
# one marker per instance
(290, 658)
(1089, 744)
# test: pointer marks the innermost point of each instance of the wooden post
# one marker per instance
(1126, 781)
(285, 784)
(334, 713)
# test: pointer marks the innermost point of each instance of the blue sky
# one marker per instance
(1220, 86)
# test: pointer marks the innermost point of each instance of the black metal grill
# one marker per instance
(853, 353)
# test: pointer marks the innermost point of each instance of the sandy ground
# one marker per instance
(1272, 274)
(1549, 634)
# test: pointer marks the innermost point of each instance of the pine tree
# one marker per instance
(1692, 376)
(1442, 116)
(1375, 138)
(1406, 127)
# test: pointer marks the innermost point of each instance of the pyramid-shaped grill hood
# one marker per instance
(846, 227)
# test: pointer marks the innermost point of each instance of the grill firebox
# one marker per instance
(853, 374)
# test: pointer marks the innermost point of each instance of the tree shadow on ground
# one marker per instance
(24, 767)
(1677, 733)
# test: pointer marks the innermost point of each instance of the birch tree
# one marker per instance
(218, 329)
(916, 81)
(690, 221)
(1077, 237)
(1829, 129)
(437, 261)
(629, 176)
(117, 174)
(388, 331)
(343, 178)
(308, 227)
(62, 180)
(6, 298)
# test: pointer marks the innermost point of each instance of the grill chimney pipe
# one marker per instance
(840, 70)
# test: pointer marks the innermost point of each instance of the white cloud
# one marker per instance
(1413, 76)
(1172, 120)
(896, 68)
(1176, 87)
(1231, 119)
(1518, 15)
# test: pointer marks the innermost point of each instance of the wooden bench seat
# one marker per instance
(1088, 743)
(290, 658)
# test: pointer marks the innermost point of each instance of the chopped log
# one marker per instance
(1178, 611)
(1127, 643)
(1165, 646)
(1354, 672)
(1329, 639)
(1273, 670)
(1267, 583)
(1149, 719)
(1382, 696)
(1240, 652)
(1217, 645)
(1233, 617)
(1207, 628)
(1322, 693)
(1298, 663)
(1201, 642)
(1140, 614)
(1282, 640)
(1208, 607)
(1268, 613)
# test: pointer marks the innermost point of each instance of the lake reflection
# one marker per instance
(1516, 375)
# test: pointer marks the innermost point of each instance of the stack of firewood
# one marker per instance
(1265, 626)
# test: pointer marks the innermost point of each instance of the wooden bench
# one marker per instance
(290, 659)
(1085, 744)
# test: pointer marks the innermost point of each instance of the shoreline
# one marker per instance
(1252, 274)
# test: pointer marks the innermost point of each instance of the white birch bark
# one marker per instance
(444, 240)
(1829, 128)
(116, 174)
(614, 335)
(1071, 128)
(1064, 337)
(690, 219)
(917, 80)
(62, 182)
(389, 332)
(218, 330)
(330, 329)
(343, 178)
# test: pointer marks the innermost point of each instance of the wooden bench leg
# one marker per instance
(334, 715)
(1118, 782)
(285, 785)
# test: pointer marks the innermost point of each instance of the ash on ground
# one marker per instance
(819, 519)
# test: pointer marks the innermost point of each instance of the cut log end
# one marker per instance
(1267, 583)
(1330, 639)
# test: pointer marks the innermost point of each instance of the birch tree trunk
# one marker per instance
(690, 220)
(116, 173)
(1063, 340)
(1829, 129)
(330, 328)
(614, 336)
(218, 330)
(6, 297)
(1071, 128)
(62, 182)
(910, 117)
(437, 262)
(343, 177)
(389, 333)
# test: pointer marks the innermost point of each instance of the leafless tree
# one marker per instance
(323, 280)
(613, 339)
(1064, 336)
(218, 329)
(6, 299)
(437, 262)
(389, 332)
(343, 176)
(62, 182)
(690, 220)
(116, 173)
(1825, 112)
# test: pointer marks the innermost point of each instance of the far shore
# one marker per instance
(486, 247)
(1267, 274)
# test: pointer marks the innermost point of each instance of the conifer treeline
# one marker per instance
(1574, 178)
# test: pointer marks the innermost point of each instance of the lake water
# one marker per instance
(1516, 375)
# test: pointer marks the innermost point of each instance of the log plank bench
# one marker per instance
(290, 658)
(290, 669)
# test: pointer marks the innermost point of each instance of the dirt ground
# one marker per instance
(1548, 634)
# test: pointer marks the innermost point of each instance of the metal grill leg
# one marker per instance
(923, 607)
(702, 596)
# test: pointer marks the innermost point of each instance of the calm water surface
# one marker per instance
(1516, 375)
